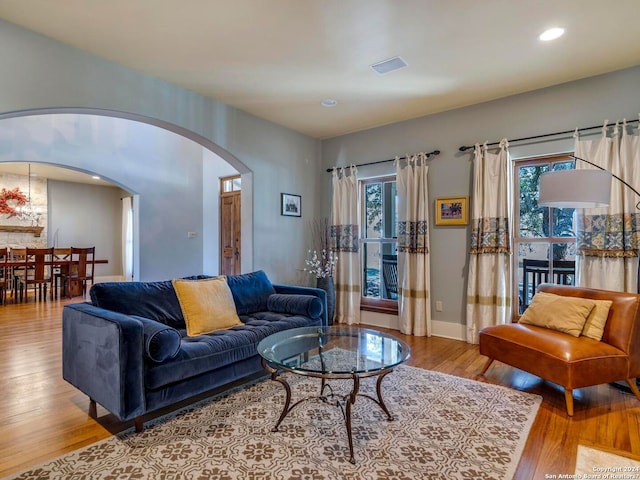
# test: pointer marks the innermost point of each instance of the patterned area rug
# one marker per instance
(445, 427)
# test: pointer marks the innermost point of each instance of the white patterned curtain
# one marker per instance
(344, 241)
(414, 281)
(489, 290)
(608, 237)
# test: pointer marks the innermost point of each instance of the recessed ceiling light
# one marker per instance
(551, 34)
(329, 102)
(95, 177)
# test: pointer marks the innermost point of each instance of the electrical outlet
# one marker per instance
(438, 306)
(192, 234)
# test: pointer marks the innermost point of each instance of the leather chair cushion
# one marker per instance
(573, 362)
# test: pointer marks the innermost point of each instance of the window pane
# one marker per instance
(380, 270)
(373, 210)
(564, 251)
(371, 255)
(389, 203)
(534, 220)
(237, 184)
(562, 222)
(389, 287)
(568, 165)
(227, 186)
(564, 264)
(533, 268)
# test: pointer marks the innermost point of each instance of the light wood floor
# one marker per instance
(41, 416)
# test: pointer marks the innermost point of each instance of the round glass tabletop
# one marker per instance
(333, 350)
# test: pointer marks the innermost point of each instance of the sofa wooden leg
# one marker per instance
(93, 408)
(568, 397)
(139, 425)
(634, 387)
(486, 367)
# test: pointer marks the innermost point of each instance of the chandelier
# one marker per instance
(27, 211)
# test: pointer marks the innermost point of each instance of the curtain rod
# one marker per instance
(430, 154)
(465, 148)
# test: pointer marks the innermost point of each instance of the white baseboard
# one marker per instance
(454, 331)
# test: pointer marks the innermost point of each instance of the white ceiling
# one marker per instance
(278, 59)
(51, 172)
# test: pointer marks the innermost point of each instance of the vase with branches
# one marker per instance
(321, 262)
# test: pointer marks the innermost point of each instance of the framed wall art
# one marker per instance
(452, 211)
(290, 205)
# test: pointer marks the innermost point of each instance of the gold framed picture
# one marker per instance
(452, 211)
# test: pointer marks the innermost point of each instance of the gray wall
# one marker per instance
(577, 104)
(38, 73)
(83, 215)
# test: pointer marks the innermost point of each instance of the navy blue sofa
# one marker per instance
(128, 349)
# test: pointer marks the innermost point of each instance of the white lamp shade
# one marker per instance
(575, 189)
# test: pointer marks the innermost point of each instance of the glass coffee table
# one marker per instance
(333, 353)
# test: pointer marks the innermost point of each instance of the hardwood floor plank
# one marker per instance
(42, 416)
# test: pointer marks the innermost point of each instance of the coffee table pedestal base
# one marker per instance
(327, 395)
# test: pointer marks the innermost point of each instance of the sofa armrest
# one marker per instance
(316, 292)
(102, 356)
(161, 342)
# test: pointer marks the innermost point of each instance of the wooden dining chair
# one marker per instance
(15, 272)
(60, 271)
(4, 257)
(81, 271)
(38, 273)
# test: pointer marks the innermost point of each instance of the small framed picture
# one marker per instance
(290, 205)
(452, 211)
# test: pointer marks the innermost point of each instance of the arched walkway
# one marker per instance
(165, 171)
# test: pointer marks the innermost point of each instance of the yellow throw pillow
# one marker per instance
(565, 314)
(594, 326)
(597, 319)
(207, 305)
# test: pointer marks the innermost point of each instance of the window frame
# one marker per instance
(379, 305)
(517, 239)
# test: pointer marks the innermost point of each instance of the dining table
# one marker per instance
(73, 289)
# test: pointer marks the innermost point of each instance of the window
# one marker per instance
(230, 184)
(544, 238)
(379, 245)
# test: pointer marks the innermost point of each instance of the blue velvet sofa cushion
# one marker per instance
(250, 291)
(154, 300)
(215, 350)
(306, 305)
(161, 342)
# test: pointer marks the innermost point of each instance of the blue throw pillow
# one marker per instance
(306, 305)
(250, 291)
(154, 300)
(160, 341)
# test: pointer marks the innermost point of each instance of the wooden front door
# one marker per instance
(230, 253)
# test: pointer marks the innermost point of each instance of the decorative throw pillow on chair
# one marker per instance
(557, 312)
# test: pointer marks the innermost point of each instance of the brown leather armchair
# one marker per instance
(573, 362)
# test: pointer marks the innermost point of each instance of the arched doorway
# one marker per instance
(163, 164)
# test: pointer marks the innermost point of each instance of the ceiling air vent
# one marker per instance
(389, 65)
